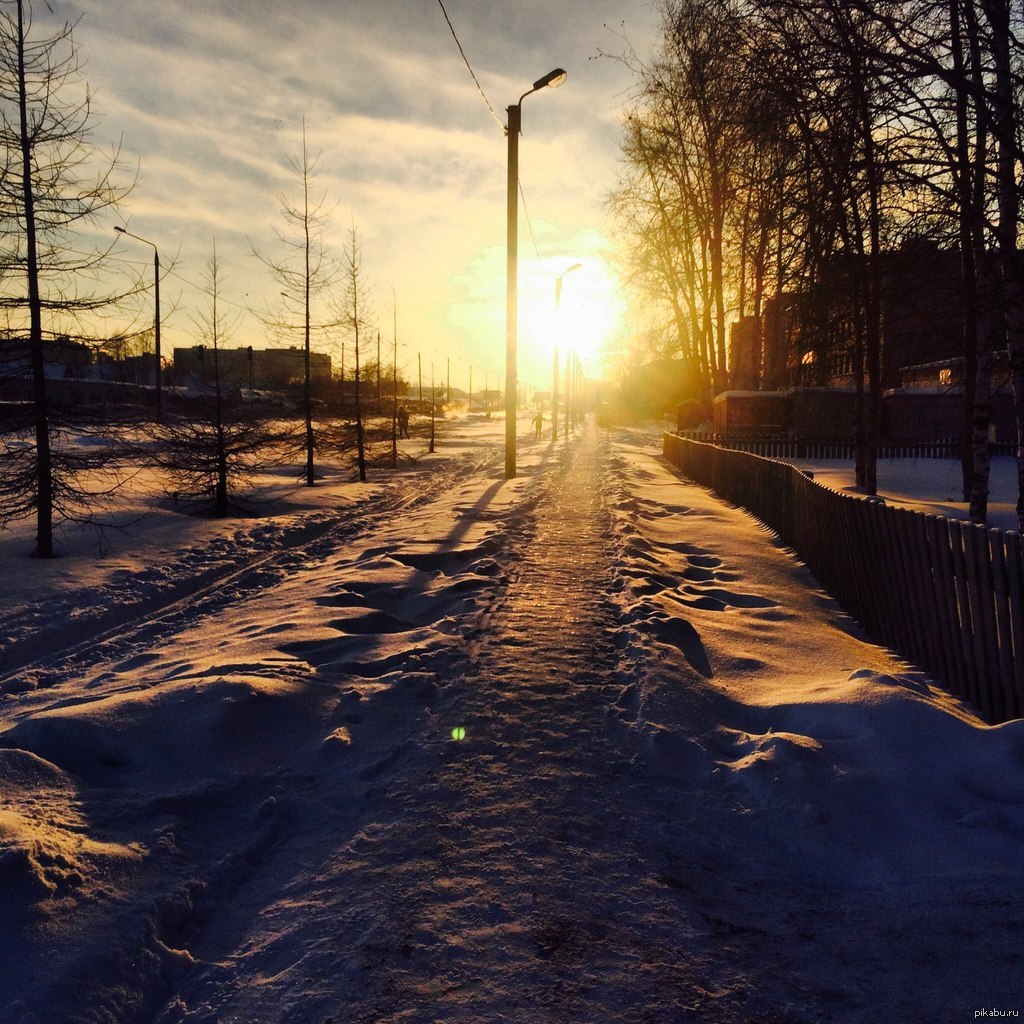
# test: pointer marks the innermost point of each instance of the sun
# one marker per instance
(582, 320)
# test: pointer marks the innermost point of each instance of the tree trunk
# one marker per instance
(220, 489)
(44, 460)
(977, 273)
(307, 389)
(1004, 109)
(360, 447)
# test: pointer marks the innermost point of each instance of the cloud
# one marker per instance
(210, 97)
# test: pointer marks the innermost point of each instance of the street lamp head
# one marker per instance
(552, 80)
(120, 230)
(575, 266)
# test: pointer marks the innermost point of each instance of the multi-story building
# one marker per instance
(268, 368)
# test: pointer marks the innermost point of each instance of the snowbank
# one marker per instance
(193, 772)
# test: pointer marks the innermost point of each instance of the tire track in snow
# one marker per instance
(46, 658)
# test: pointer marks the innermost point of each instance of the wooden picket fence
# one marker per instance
(947, 595)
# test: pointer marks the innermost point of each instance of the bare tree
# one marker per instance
(355, 316)
(1005, 102)
(305, 275)
(53, 187)
(211, 448)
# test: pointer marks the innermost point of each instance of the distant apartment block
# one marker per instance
(251, 367)
(62, 357)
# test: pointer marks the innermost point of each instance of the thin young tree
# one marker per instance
(305, 275)
(211, 449)
(54, 185)
(355, 317)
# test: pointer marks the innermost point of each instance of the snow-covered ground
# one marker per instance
(927, 485)
(687, 788)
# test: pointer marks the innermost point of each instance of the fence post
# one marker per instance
(944, 582)
(1015, 597)
(1001, 596)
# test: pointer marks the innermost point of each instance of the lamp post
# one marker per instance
(558, 327)
(156, 319)
(552, 79)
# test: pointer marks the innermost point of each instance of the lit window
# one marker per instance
(809, 358)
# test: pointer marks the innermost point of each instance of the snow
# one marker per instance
(688, 788)
(927, 485)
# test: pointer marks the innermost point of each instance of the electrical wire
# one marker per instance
(496, 118)
(529, 223)
(470, 66)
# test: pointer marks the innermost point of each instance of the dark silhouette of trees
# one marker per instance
(787, 148)
(53, 187)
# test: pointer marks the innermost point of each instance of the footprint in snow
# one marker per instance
(681, 634)
(728, 598)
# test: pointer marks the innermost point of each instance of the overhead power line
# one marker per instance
(529, 223)
(501, 124)
(470, 66)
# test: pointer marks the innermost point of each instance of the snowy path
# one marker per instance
(521, 893)
(688, 789)
(512, 878)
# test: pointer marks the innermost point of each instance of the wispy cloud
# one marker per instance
(209, 97)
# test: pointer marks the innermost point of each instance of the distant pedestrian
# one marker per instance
(538, 425)
(403, 421)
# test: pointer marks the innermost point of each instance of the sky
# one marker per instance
(208, 100)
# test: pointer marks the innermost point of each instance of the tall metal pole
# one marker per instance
(433, 402)
(156, 333)
(575, 390)
(558, 329)
(394, 383)
(552, 80)
(554, 383)
(568, 387)
(511, 272)
(156, 316)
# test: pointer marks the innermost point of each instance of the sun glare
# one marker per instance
(589, 314)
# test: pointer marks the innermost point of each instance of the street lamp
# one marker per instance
(558, 327)
(552, 80)
(156, 322)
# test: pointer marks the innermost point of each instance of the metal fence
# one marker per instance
(945, 594)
